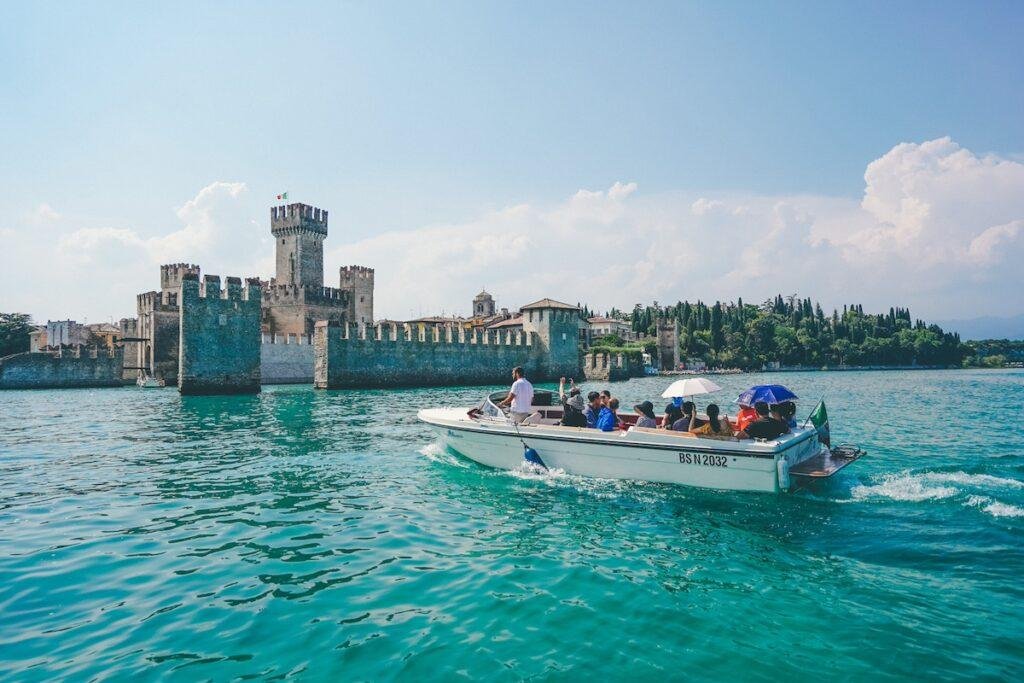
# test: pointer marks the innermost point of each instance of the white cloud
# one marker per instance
(704, 206)
(44, 213)
(938, 228)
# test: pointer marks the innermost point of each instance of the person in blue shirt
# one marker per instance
(608, 420)
(593, 409)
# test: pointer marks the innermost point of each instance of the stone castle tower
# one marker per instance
(557, 326)
(358, 282)
(296, 297)
(172, 274)
(157, 325)
(483, 305)
(299, 232)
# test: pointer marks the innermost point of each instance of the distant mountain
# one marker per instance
(988, 327)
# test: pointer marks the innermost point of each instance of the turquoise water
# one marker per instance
(322, 536)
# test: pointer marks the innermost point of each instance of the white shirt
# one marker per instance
(523, 396)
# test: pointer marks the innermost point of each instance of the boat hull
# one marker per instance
(704, 463)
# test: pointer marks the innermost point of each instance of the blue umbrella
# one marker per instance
(769, 393)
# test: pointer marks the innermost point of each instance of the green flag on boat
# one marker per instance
(819, 418)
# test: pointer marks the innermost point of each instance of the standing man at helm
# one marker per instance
(520, 396)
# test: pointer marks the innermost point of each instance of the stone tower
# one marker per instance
(668, 343)
(358, 282)
(483, 305)
(557, 326)
(171, 275)
(299, 231)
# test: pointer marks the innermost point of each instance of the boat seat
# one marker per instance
(535, 419)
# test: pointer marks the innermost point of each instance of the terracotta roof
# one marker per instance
(511, 322)
(437, 319)
(550, 303)
(601, 319)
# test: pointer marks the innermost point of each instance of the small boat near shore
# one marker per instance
(485, 435)
(147, 382)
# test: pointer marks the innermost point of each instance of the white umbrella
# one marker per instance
(690, 386)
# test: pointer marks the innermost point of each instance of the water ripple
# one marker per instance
(299, 534)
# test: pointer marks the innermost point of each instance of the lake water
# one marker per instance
(322, 536)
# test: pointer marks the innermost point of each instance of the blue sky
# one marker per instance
(399, 117)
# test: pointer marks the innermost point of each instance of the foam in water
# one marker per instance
(435, 452)
(926, 486)
(906, 487)
(994, 507)
(971, 479)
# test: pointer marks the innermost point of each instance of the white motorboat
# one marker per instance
(485, 434)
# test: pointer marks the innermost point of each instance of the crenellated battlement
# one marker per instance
(210, 288)
(430, 334)
(289, 293)
(355, 273)
(290, 339)
(291, 219)
(171, 275)
(157, 301)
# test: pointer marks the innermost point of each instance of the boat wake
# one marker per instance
(972, 490)
(435, 452)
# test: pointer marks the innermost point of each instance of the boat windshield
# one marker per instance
(489, 410)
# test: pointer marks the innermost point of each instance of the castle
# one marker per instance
(290, 303)
(292, 329)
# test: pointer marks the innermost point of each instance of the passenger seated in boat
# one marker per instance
(593, 409)
(688, 417)
(672, 413)
(765, 426)
(572, 406)
(788, 411)
(715, 427)
(605, 397)
(608, 419)
(646, 412)
(745, 416)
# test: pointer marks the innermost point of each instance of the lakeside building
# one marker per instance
(601, 326)
(37, 338)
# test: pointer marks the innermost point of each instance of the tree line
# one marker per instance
(794, 331)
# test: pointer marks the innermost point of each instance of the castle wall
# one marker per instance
(65, 369)
(291, 309)
(607, 367)
(286, 360)
(219, 348)
(388, 356)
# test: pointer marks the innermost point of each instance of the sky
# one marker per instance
(600, 153)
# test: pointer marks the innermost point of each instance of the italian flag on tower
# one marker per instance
(283, 195)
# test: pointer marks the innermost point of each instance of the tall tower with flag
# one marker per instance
(299, 232)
